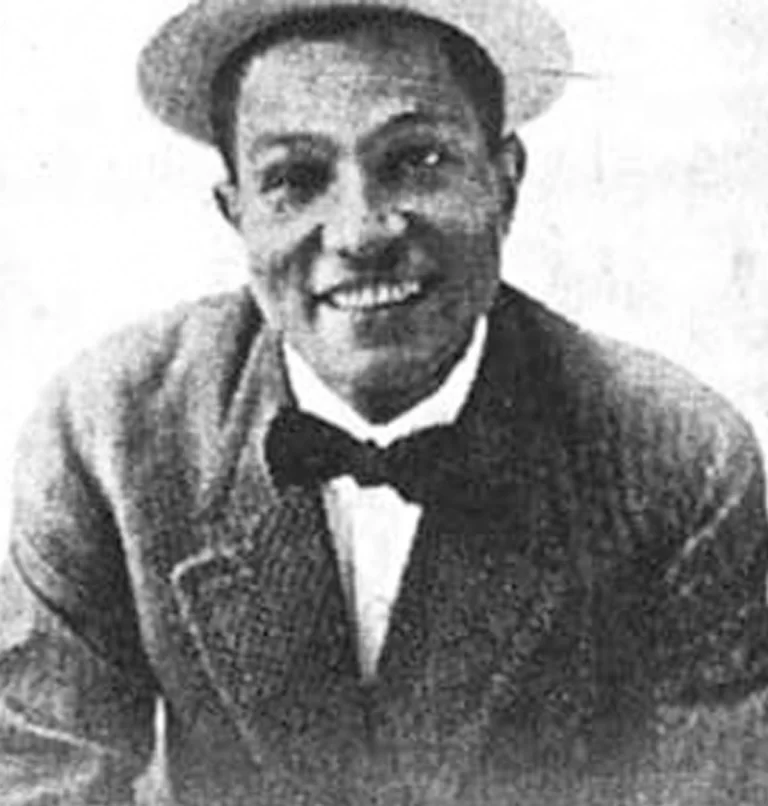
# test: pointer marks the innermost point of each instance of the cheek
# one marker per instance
(278, 256)
(468, 210)
(276, 284)
(471, 245)
(468, 229)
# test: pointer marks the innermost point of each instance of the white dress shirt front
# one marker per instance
(373, 528)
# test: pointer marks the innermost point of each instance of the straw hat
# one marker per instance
(177, 66)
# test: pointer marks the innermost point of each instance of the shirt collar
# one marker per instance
(442, 407)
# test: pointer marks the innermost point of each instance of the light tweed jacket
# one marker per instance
(591, 630)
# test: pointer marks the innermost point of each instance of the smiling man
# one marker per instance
(372, 201)
(377, 528)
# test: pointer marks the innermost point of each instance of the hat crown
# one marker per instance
(178, 65)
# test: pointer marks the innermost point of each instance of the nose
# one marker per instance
(357, 223)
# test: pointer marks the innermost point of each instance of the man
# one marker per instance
(378, 529)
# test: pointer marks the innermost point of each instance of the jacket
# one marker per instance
(587, 625)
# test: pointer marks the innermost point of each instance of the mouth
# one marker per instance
(375, 295)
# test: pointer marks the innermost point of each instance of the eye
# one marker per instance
(296, 182)
(420, 161)
(423, 157)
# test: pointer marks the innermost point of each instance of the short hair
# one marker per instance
(473, 69)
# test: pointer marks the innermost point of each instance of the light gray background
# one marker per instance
(645, 212)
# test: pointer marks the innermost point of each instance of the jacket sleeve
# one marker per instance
(714, 631)
(76, 695)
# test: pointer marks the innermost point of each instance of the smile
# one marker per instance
(374, 295)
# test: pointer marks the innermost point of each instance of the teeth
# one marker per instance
(373, 296)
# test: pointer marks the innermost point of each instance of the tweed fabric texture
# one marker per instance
(594, 634)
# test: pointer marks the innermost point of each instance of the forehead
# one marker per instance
(350, 82)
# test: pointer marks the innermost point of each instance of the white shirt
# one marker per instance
(373, 528)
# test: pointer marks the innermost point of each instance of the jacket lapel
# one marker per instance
(263, 600)
(492, 622)
(495, 604)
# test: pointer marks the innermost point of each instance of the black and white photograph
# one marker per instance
(385, 414)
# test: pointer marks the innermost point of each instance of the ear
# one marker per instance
(511, 163)
(227, 198)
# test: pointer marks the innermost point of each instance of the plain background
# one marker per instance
(644, 214)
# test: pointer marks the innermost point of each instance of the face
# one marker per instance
(371, 210)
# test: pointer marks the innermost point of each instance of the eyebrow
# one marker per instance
(286, 140)
(309, 139)
(417, 117)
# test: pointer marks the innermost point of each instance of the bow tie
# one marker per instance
(303, 450)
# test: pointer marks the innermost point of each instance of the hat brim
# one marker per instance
(178, 65)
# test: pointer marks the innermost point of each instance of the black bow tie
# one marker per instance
(304, 450)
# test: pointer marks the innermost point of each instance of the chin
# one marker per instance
(389, 373)
(377, 370)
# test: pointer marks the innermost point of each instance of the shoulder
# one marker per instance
(162, 362)
(624, 406)
(183, 340)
